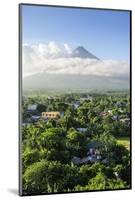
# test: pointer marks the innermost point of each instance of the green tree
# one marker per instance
(49, 177)
(29, 157)
(76, 142)
(53, 138)
(101, 182)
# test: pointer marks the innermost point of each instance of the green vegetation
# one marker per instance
(125, 141)
(86, 148)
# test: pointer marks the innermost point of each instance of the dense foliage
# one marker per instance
(49, 145)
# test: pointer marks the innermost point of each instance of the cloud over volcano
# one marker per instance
(51, 58)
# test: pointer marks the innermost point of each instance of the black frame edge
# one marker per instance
(20, 97)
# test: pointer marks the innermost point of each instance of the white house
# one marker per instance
(35, 118)
(82, 130)
(32, 107)
(86, 98)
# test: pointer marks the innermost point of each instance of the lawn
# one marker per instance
(124, 141)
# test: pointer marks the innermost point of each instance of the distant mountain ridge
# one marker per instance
(65, 81)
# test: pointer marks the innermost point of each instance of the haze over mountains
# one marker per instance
(50, 67)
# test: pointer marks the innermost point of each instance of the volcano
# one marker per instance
(81, 52)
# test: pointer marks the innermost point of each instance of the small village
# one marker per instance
(117, 114)
(35, 115)
(81, 137)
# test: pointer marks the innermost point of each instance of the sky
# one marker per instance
(50, 34)
(104, 33)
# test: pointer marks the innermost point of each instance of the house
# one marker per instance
(126, 121)
(103, 113)
(88, 98)
(76, 104)
(82, 130)
(50, 98)
(50, 115)
(93, 148)
(85, 160)
(115, 117)
(93, 154)
(120, 104)
(77, 160)
(69, 99)
(32, 107)
(35, 118)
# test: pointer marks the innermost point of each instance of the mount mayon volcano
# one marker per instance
(72, 81)
(81, 52)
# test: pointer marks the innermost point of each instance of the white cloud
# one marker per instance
(67, 48)
(55, 59)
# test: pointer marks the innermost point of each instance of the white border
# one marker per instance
(9, 98)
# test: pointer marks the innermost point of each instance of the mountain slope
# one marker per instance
(73, 82)
(81, 52)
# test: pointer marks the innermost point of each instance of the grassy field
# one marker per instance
(124, 141)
